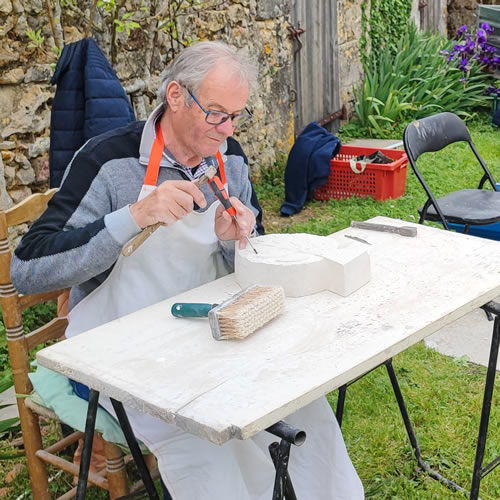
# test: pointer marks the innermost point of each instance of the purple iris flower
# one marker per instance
(472, 49)
(481, 36)
(486, 27)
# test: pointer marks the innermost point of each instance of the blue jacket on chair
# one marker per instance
(89, 100)
(308, 166)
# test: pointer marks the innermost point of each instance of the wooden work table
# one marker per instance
(173, 368)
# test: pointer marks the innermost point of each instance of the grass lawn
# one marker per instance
(443, 395)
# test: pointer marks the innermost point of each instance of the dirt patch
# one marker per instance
(275, 223)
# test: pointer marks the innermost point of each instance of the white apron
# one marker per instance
(192, 468)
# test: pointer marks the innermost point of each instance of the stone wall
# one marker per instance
(349, 34)
(464, 12)
(26, 68)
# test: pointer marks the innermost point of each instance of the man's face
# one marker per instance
(218, 92)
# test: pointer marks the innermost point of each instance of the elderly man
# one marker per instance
(142, 174)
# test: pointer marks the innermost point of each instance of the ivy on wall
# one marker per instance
(383, 23)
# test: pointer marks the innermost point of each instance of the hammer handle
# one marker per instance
(140, 239)
(131, 247)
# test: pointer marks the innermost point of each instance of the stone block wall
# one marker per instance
(26, 66)
(26, 69)
(260, 26)
(349, 34)
(464, 12)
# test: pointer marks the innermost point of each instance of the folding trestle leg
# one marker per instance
(411, 434)
(491, 309)
(280, 454)
(340, 404)
(135, 450)
(88, 438)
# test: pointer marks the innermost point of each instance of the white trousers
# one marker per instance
(195, 469)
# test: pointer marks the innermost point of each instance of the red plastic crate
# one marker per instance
(380, 181)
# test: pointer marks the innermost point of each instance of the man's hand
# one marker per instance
(168, 203)
(226, 227)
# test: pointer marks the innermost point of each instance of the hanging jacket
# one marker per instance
(89, 100)
(308, 166)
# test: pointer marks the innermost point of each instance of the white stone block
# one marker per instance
(303, 264)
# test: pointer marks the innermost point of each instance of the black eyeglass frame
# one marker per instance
(239, 117)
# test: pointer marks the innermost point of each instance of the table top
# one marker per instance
(172, 368)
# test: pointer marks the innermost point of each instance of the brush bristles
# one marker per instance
(251, 310)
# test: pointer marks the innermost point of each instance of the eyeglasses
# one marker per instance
(220, 117)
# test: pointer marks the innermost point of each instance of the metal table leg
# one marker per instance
(479, 472)
(134, 449)
(411, 433)
(280, 454)
(88, 438)
(340, 404)
(491, 309)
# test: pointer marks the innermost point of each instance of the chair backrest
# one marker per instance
(434, 133)
(114, 477)
(20, 344)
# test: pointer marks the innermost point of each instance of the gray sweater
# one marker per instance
(81, 234)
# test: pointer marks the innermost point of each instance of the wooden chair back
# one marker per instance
(20, 344)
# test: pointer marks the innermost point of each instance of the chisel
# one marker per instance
(221, 194)
(409, 231)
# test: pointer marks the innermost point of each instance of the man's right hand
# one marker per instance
(168, 203)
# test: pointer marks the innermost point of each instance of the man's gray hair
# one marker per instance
(193, 64)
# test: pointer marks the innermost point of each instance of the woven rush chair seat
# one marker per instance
(20, 344)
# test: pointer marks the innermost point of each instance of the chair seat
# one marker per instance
(468, 206)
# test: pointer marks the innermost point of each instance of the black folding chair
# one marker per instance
(469, 207)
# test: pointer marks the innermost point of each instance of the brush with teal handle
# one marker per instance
(191, 310)
(240, 315)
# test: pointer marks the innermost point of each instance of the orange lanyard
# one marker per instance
(151, 177)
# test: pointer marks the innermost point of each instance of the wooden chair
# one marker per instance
(114, 478)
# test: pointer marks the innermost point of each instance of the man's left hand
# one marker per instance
(226, 227)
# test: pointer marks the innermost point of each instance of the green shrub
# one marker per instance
(377, 33)
(417, 82)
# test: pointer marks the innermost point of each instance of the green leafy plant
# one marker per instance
(125, 24)
(415, 82)
(377, 33)
(36, 39)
